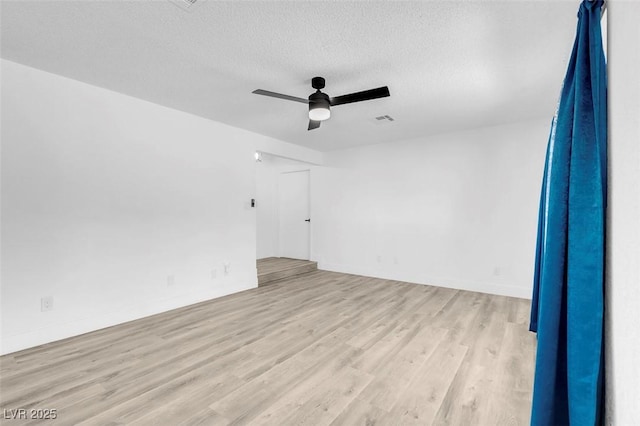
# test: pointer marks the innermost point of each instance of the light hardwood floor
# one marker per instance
(269, 265)
(272, 269)
(318, 349)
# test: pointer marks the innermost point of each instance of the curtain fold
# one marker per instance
(568, 295)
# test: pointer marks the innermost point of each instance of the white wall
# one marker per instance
(266, 209)
(457, 210)
(622, 335)
(105, 196)
(267, 173)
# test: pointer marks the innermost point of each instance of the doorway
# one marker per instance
(282, 208)
(294, 215)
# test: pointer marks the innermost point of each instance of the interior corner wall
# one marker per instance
(622, 316)
(266, 209)
(116, 207)
(457, 210)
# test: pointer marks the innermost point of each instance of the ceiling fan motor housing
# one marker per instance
(319, 101)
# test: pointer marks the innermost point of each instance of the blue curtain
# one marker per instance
(567, 304)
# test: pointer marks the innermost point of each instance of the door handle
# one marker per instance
(307, 220)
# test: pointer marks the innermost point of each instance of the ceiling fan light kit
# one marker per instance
(320, 103)
(319, 107)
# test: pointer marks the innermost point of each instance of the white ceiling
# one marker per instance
(449, 65)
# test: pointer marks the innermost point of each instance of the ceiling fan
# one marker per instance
(320, 103)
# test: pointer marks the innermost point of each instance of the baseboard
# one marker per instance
(61, 331)
(522, 292)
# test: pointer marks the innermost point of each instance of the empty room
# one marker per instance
(320, 212)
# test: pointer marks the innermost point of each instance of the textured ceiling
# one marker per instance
(449, 65)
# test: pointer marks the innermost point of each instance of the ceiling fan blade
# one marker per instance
(367, 95)
(280, 95)
(313, 124)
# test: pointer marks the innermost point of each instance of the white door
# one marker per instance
(293, 210)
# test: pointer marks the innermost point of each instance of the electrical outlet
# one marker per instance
(379, 259)
(214, 274)
(171, 280)
(227, 268)
(46, 304)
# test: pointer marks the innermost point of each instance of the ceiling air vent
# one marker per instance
(385, 117)
(187, 5)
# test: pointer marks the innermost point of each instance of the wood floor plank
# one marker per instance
(325, 402)
(523, 311)
(272, 385)
(7, 365)
(360, 412)
(466, 397)
(460, 314)
(327, 379)
(273, 269)
(319, 348)
(394, 376)
(376, 356)
(408, 300)
(167, 401)
(179, 417)
(277, 264)
(509, 395)
(420, 402)
(204, 417)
